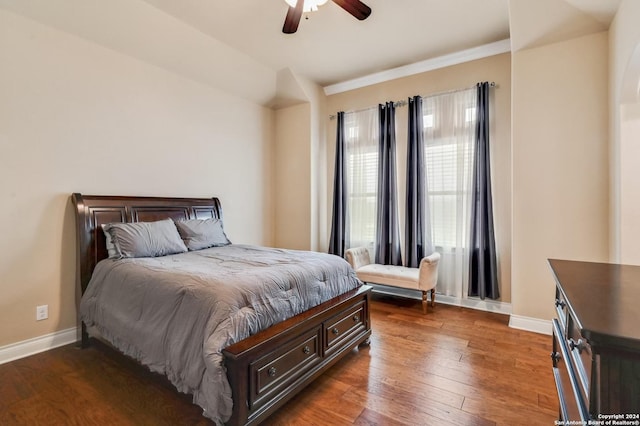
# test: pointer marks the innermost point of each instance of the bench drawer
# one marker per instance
(279, 369)
(344, 325)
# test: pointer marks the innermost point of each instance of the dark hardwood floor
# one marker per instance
(454, 366)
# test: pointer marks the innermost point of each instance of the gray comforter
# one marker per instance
(176, 313)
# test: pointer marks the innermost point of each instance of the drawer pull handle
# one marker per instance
(271, 372)
(356, 318)
(560, 303)
(306, 350)
(335, 331)
(576, 345)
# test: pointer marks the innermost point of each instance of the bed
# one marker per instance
(261, 368)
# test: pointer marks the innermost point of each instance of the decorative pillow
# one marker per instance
(145, 239)
(202, 233)
(111, 248)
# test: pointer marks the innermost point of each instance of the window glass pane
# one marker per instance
(443, 217)
(470, 114)
(448, 163)
(362, 176)
(441, 166)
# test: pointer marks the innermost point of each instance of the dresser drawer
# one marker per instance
(581, 357)
(561, 309)
(344, 325)
(572, 406)
(279, 369)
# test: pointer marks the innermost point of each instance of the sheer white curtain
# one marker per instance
(449, 129)
(361, 153)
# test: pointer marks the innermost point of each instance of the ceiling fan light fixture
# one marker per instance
(309, 5)
(356, 8)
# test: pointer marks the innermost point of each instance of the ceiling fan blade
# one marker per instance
(355, 7)
(293, 18)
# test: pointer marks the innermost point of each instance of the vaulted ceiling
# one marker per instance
(238, 45)
(332, 46)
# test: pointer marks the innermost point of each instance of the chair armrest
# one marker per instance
(358, 257)
(429, 271)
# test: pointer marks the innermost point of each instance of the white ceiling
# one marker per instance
(331, 46)
(238, 45)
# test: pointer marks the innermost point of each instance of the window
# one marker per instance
(449, 145)
(363, 170)
(448, 166)
(448, 135)
(427, 121)
(470, 114)
(361, 130)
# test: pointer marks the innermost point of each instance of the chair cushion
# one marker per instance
(398, 276)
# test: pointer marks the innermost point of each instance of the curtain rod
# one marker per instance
(444, 92)
(396, 104)
(404, 102)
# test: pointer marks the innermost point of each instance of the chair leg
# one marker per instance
(433, 297)
(424, 302)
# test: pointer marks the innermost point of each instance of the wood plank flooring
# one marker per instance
(454, 366)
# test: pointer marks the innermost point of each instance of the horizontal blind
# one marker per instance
(449, 125)
(362, 176)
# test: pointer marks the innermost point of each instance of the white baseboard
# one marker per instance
(482, 305)
(37, 344)
(534, 325)
(530, 324)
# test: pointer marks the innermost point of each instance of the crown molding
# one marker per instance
(484, 51)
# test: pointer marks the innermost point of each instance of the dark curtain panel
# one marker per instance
(417, 242)
(387, 229)
(483, 271)
(338, 239)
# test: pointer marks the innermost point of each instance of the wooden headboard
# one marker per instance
(92, 211)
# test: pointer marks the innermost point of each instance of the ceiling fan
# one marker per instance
(355, 7)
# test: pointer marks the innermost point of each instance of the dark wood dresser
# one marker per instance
(596, 341)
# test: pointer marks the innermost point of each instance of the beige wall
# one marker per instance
(292, 177)
(299, 164)
(318, 167)
(495, 68)
(624, 98)
(630, 183)
(560, 164)
(78, 117)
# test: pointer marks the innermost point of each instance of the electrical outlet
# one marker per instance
(42, 312)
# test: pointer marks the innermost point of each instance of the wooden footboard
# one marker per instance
(269, 368)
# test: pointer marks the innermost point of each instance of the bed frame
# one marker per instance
(266, 369)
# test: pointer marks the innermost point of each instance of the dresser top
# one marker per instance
(604, 298)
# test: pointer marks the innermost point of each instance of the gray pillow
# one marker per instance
(145, 239)
(111, 248)
(202, 233)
